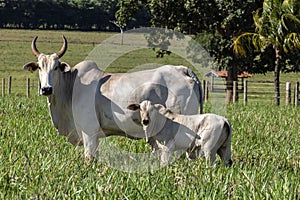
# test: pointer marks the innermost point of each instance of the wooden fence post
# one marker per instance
(3, 87)
(28, 87)
(39, 87)
(206, 92)
(296, 94)
(234, 99)
(288, 98)
(32, 85)
(203, 89)
(245, 92)
(9, 85)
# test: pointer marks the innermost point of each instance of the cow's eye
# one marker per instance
(55, 68)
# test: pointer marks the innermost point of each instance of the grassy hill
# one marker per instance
(16, 51)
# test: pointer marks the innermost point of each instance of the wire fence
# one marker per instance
(243, 92)
(253, 91)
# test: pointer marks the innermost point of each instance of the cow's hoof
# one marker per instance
(228, 163)
(89, 158)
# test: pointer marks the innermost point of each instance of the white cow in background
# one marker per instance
(205, 134)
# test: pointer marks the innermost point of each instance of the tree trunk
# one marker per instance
(122, 35)
(231, 76)
(277, 76)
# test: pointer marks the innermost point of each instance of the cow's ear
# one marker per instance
(133, 106)
(31, 66)
(64, 67)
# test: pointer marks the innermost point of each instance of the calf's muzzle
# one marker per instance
(145, 122)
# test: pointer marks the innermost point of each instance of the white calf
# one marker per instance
(214, 130)
(205, 134)
(165, 135)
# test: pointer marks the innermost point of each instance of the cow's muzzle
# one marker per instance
(46, 91)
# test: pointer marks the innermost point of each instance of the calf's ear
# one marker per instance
(133, 106)
(64, 67)
(159, 107)
(31, 66)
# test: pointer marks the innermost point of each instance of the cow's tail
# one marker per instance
(192, 74)
(227, 142)
(229, 130)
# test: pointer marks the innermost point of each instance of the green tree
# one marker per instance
(58, 14)
(230, 18)
(277, 26)
(126, 12)
(214, 20)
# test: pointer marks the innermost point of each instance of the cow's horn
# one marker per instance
(33, 47)
(63, 49)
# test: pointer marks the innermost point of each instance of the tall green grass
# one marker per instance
(37, 163)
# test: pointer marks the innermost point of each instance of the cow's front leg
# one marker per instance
(91, 143)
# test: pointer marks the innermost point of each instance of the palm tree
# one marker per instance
(277, 26)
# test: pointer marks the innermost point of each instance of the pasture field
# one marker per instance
(16, 51)
(37, 163)
(15, 48)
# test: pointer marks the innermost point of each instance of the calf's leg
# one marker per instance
(225, 154)
(210, 155)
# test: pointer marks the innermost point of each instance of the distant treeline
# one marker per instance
(64, 14)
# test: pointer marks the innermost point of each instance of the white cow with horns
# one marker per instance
(87, 103)
(205, 134)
